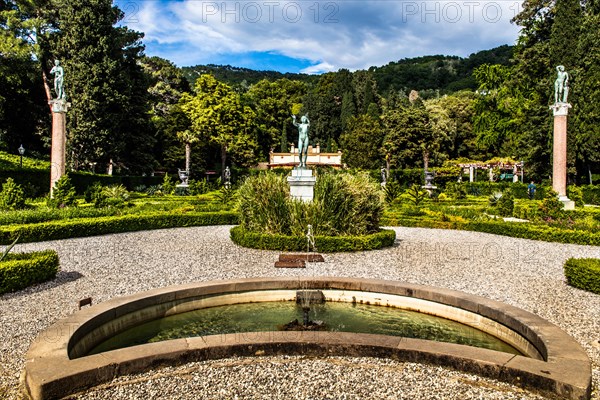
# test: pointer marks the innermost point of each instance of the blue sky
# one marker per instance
(314, 36)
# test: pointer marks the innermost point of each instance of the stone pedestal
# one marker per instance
(59, 141)
(559, 148)
(302, 184)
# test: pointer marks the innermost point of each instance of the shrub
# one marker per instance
(415, 194)
(168, 186)
(63, 194)
(112, 196)
(551, 208)
(226, 195)
(155, 190)
(583, 273)
(12, 196)
(197, 187)
(494, 198)
(591, 194)
(18, 271)
(92, 192)
(575, 193)
(324, 244)
(262, 202)
(456, 190)
(392, 190)
(343, 204)
(506, 204)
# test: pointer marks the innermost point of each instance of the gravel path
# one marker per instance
(520, 272)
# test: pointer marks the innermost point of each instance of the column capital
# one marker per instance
(560, 109)
(59, 106)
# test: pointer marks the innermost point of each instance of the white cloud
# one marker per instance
(332, 35)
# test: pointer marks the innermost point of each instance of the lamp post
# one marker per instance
(21, 152)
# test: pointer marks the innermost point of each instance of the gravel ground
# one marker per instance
(523, 273)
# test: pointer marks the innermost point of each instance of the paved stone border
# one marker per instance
(49, 372)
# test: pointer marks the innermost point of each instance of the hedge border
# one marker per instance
(583, 273)
(19, 271)
(323, 244)
(512, 229)
(83, 227)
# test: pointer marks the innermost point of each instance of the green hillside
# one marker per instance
(444, 73)
(244, 77)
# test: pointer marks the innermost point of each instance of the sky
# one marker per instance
(317, 36)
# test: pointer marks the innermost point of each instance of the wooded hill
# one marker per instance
(446, 74)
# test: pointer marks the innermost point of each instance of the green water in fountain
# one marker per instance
(269, 316)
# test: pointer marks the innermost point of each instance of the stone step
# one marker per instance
(290, 264)
(301, 257)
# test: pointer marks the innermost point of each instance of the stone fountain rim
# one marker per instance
(50, 373)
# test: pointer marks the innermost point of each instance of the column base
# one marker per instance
(302, 184)
(568, 203)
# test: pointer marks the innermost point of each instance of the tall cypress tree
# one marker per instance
(586, 109)
(102, 82)
(565, 33)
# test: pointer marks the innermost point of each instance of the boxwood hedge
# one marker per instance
(517, 230)
(17, 271)
(81, 227)
(323, 244)
(583, 273)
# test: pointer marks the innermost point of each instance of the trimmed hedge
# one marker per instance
(583, 273)
(81, 227)
(36, 182)
(19, 271)
(513, 229)
(323, 244)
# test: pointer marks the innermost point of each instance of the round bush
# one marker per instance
(343, 204)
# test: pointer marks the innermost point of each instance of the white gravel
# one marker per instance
(520, 272)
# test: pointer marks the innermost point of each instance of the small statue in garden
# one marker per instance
(302, 138)
(59, 74)
(561, 85)
(227, 176)
(383, 176)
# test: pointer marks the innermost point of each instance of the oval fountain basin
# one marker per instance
(336, 317)
(60, 361)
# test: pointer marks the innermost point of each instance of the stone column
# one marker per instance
(559, 149)
(59, 141)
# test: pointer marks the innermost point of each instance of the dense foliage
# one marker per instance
(343, 204)
(138, 114)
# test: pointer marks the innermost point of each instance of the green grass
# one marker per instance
(11, 162)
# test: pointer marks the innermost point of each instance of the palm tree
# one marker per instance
(188, 137)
